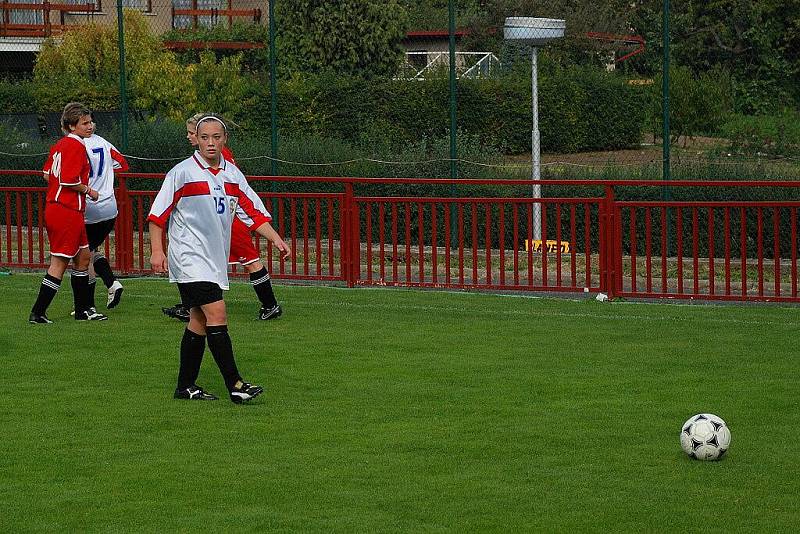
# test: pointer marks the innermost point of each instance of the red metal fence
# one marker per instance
(353, 230)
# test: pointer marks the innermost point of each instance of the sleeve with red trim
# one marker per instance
(250, 210)
(120, 163)
(167, 197)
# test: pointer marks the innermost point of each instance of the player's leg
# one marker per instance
(193, 345)
(262, 285)
(244, 252)
(81, 289)
(97, 233)
(67, 234)
(48, 289)
(219, 343)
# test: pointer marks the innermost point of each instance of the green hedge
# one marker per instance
(16, 96)
(764, 135)
(575, 104)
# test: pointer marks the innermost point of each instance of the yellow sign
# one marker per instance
(644, 81)
(552, 246)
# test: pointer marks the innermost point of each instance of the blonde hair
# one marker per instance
(72, 115)
(194, 118)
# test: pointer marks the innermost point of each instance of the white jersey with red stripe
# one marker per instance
(200, 205)
(104, 159)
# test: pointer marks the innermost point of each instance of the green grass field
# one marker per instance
(391, 410)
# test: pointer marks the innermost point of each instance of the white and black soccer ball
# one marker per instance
(705, 437)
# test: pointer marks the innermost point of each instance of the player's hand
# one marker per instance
(93, 194)
(159, 262)
(281, 245)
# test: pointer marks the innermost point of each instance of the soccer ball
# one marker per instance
(705, 437)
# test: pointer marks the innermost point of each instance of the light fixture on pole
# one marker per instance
(535, 32)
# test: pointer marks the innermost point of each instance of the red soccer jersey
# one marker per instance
(67, 165)
(242, 249)
(228, 155)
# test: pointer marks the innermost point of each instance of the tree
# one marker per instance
(84, 64)
(756, 41)
(345, 36)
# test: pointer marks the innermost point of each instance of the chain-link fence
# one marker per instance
(506, 89)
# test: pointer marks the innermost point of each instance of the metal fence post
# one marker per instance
(451, 9)
(346, 229)
(606, 233)
(273, 95)
(123, 232)
(123, 93)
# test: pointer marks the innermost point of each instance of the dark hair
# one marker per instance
(72, 115)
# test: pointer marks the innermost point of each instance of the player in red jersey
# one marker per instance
(67, 172)
(242, 251)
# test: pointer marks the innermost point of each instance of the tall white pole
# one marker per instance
(535, 162)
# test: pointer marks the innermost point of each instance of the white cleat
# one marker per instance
(114, 294)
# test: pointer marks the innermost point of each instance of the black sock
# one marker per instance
(103, 270)
(192, 347)
(263, 288)
(90, 292)
(80, 290)
(47, 292)
(219, 342)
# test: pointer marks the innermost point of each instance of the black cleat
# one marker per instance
(114, 294)
(90, 315)
(193, 393)
(245, 393)
(270, 313)
(39, 319)
(179, 312)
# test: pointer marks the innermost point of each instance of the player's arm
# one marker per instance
(158, 260)
(159, 215)
(72, 162)
(266, 230)
(254, 214)
(86, 190)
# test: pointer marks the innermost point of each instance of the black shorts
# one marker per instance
(98, 232)
(195, 294)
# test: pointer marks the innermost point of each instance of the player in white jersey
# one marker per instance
(104, 159)
(200, 196)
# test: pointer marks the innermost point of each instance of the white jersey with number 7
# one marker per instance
(104, 159)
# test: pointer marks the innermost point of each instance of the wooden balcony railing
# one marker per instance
(214, 15)
(47, 27)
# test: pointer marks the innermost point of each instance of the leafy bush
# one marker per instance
(764, 134)
(575, 104)
(84, 64)
(699, 103)
(318, 36)
(16, 96)
(254, 60)
(20, 152)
